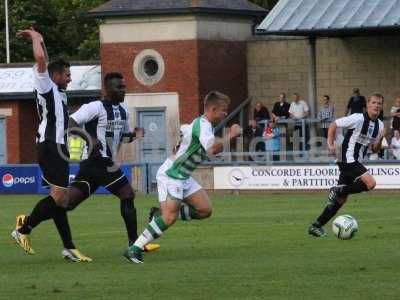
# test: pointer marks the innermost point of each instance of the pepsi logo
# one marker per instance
(8, 180)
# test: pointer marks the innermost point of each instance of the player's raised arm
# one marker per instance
(39, 49)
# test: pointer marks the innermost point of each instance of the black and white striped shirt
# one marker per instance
(361, 133)
(106, 122)
(51, 103)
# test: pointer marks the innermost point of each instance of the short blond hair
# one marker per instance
(376, 95)
(214, 98)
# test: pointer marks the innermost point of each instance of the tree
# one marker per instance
(268, 4)
(67, 31)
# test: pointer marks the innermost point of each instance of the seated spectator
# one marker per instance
(395, 144)
(357, 103)
(281, 108)
(273, 142)
(261, 113)
(298, 108)
(395, 113)
(325, 115)
(253, 130)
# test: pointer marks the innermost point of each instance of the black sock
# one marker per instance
(355, 188)
(128, 213)
(61, 221)
(328, 213)
(45, 209)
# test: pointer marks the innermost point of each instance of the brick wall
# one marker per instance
(369, 63)
(13, 126)
(21, 131)
(223, 67)
(181, 70)
(192, 68)
(28, 124)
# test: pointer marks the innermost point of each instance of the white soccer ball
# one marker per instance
(345, 227)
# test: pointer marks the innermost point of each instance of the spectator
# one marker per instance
(395, 144)
(250, 132)
(281, 108)
(325, 115)
(298, 108)
(261, 113)
(395, 113)
(272, 136)
(357, 103)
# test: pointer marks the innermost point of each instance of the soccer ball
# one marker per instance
(345, 227)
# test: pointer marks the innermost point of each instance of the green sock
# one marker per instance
(153, 231)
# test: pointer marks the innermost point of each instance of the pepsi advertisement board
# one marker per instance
(18, 180)
(27, 179)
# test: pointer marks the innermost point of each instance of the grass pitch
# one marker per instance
(253, 247)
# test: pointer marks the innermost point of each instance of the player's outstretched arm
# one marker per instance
(129, 137)
(39, 49)
(234, 131)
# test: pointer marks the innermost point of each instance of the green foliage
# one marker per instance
(66, 30)
(268, 4)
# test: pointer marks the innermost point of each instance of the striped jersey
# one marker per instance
(361, 133)
(51, 103)
(195, 140)
(105, 122)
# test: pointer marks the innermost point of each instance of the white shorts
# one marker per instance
(174, 188)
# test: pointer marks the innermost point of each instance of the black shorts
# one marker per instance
(96, 172)
(55, 167)
(350, 172)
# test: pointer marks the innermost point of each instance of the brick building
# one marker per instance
(172, 53)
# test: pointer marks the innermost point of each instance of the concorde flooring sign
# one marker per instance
(302, 177)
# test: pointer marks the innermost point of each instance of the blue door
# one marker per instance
(154, 144)
(3, 141)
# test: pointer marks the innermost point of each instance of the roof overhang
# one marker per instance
(389, 30)
(158, 12)
(93, 94)
(332, 18)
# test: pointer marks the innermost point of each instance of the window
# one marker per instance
(148, 67)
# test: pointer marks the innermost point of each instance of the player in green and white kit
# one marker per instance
(179, 194)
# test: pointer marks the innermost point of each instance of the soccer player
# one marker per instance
(107, 123)
(363, 130)
(50, 82)
(179, 194)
